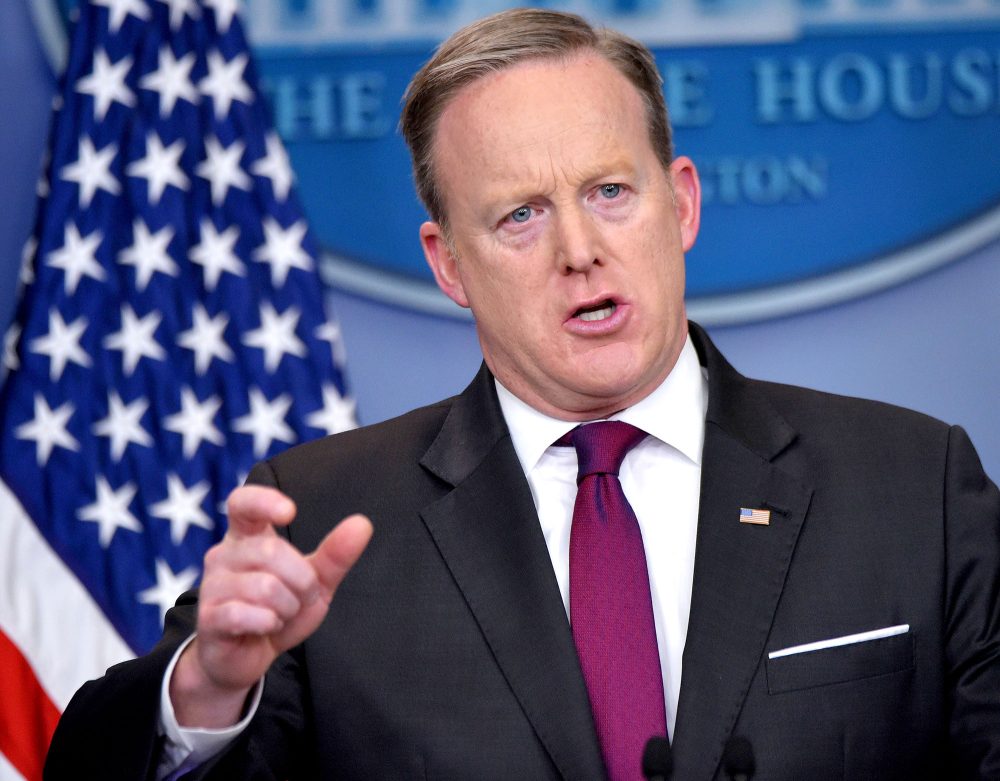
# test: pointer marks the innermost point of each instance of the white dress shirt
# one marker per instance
(661, 477)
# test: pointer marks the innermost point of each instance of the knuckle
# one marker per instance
(227, 622)
(266, 587)
(233, 502)
(309, 581)
(270, 548)
(231, 619)
(214, 556)
(216, 585)
(208, 618)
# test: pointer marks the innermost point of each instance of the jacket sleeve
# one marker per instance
(972, 611)
(110, 729)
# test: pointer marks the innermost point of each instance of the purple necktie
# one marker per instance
(610, 608)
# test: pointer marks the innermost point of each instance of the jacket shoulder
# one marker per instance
(807, 409)
(399, 439)
(864, 442)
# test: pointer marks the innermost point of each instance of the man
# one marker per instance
(850, 630)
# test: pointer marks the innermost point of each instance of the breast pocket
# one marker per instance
(816, 665)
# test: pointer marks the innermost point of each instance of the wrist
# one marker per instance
(200, 702)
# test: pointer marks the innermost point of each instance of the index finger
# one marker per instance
(254, 509)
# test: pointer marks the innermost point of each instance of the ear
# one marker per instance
(443, 262)
(687, 199)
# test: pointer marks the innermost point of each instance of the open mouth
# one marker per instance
(599, 311)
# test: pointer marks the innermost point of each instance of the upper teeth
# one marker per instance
(598, 314)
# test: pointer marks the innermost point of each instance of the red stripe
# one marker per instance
(27, 716)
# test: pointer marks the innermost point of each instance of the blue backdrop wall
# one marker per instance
(930, 342)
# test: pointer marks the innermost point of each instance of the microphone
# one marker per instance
(657, 762)
(738, 760)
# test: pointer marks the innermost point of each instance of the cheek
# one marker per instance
(518, 277)
(507, 301)
(484, 273)
(660, 245)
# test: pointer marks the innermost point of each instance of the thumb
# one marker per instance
(339, 550)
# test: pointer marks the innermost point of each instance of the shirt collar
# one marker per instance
(674, 413)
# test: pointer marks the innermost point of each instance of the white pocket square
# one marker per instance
(860, 637)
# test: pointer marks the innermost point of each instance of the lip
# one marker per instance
(597, 327)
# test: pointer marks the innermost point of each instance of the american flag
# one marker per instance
(756, 517)
(170, 332)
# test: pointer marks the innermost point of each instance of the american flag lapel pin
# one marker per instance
(756, 517)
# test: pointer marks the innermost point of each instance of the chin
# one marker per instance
(613, 390)
(618, 366)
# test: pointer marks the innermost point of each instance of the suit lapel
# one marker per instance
(739, 568)
(488, 533)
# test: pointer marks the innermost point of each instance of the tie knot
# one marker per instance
(601, 447)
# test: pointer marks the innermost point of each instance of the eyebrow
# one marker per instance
(620, 168)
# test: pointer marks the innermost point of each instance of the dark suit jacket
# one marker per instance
(447, 652)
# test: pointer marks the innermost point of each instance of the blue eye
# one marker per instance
(522, 214)
(611, 190)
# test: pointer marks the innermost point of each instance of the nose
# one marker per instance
(578, 241)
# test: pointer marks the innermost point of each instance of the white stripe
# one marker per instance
(52, 35)
(46, 611)
(7, 771)
(861, 637)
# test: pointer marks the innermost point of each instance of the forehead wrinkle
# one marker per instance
(552, 167)
(506, 151)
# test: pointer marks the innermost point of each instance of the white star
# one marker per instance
(161, 166)
(172, 79)
(110, 511)
(215, 253)
(205, 338)
(337, 413)
(182, 507)
(122, 425)
(119, 9)
(48, 429)
(178, 8)
(106, 83)
(224, 83)
(62, 344)
(136, 339)
(221, 167)
(148, 253)
(266, 421)
(77, 257)
(194, 422)
(168, 587)
(330, 332)
(92, 171)
(10, 339)
(282, 248)
(276, 335)
(225, 10)
(276, 167)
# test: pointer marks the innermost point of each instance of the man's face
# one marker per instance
(564, 237)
